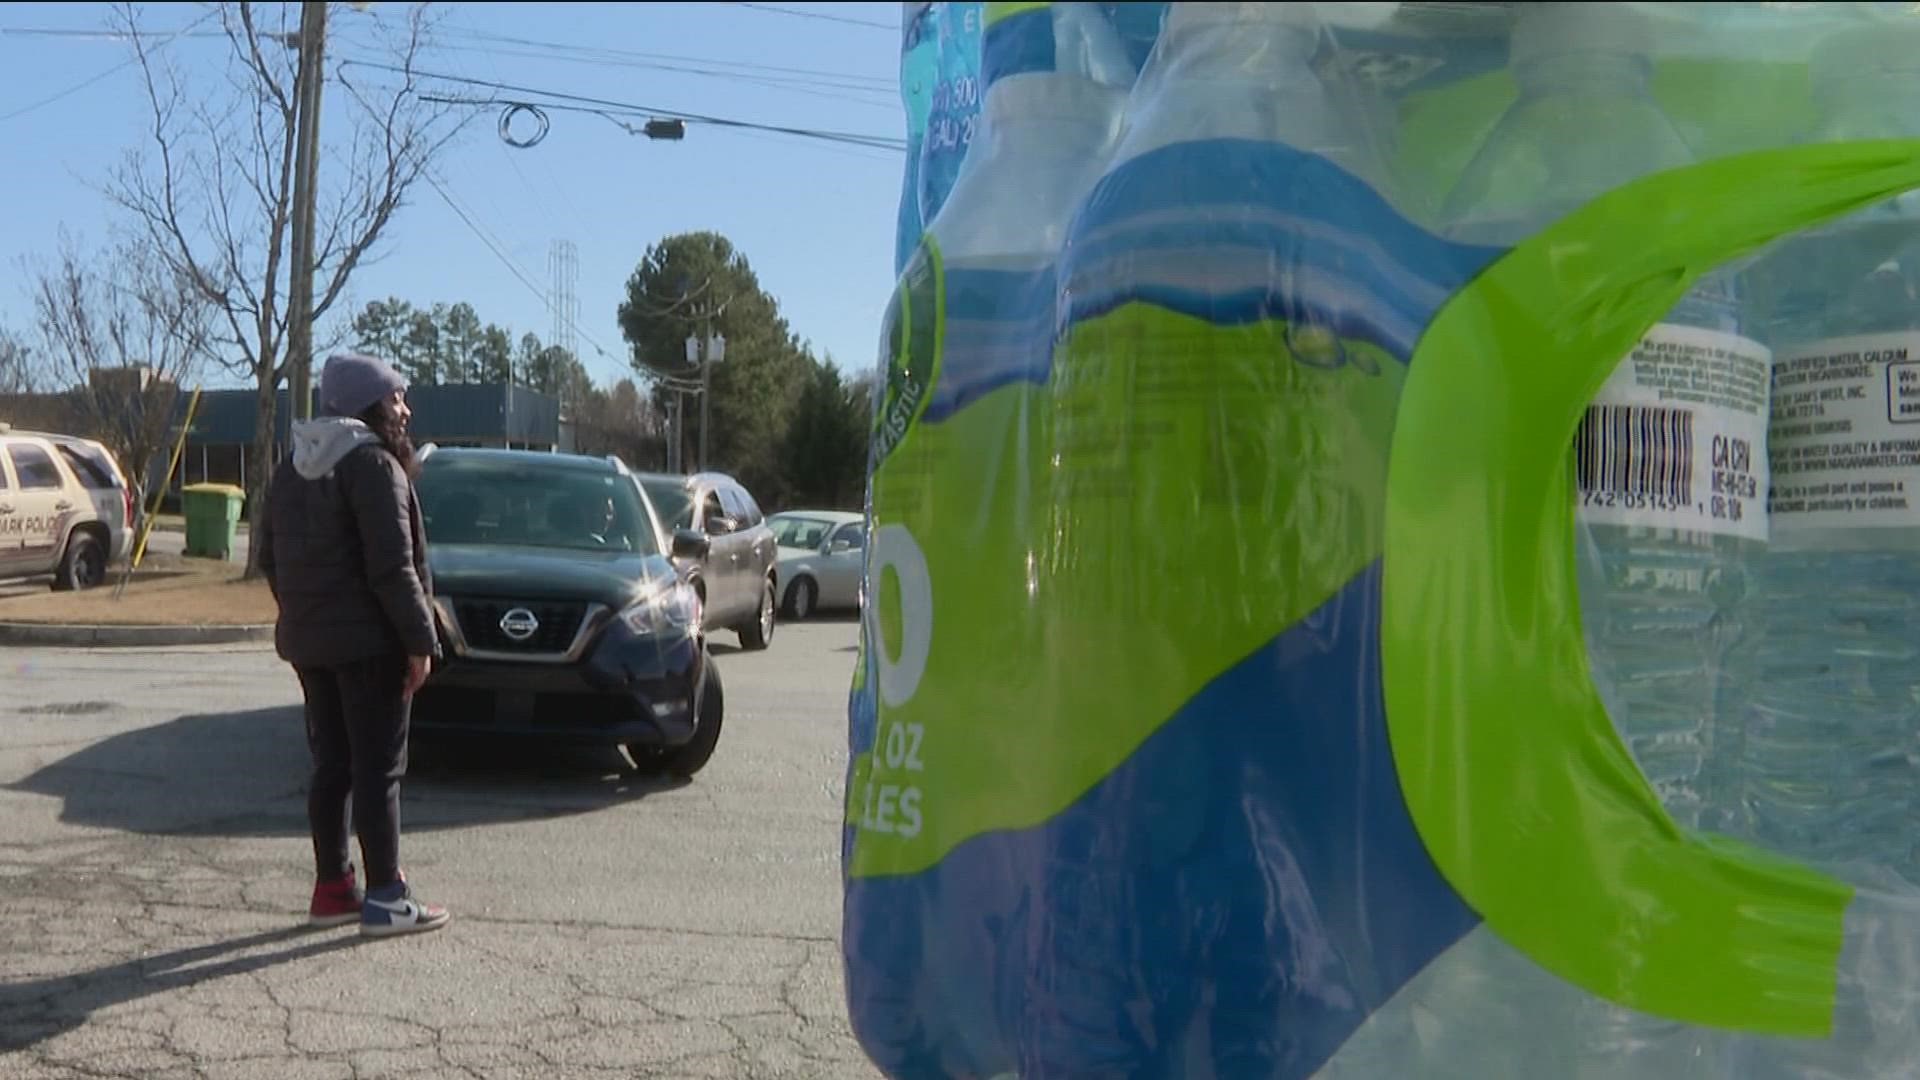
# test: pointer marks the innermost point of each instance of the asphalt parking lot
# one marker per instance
(155, 869)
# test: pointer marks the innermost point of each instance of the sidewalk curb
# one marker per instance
(110, 636)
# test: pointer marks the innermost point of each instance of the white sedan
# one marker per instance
(820, 559)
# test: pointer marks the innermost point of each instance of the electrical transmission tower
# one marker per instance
(563, 261)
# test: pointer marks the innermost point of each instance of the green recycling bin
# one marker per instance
(213, 519)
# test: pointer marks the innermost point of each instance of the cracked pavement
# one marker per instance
(155, 869)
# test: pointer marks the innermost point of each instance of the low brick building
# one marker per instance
(482, 414)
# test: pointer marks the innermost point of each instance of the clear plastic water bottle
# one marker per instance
(1045, 132)
(919, 71)
(1829, 769)
(1243, 71)
(954, 30)
(1670, 460)
(955, 420)
(1876, 1013)
(1227, 268)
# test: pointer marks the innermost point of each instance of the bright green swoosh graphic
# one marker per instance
(1070, 616)
(1528, 801)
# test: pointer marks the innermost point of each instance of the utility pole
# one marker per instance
(706, 350)
(674, 434)
(706, 390)
(313, 32)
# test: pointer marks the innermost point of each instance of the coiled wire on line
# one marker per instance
(507, 115)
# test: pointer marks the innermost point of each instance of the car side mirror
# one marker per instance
(719, 525)
(688, 544)
(840, 547)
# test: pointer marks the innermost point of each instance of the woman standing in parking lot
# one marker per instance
(344, 552)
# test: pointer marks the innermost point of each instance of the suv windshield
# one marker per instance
(672, 501)
(473, 500)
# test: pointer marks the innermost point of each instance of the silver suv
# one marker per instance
(66, 509)
(735, 572)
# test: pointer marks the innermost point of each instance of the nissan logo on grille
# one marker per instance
(519, 624)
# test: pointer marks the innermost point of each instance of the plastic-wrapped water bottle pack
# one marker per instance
(1391, 554)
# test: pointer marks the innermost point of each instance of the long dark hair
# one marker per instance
(393, 435)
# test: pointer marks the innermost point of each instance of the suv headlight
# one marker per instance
(674, 608)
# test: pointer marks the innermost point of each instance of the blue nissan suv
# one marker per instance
(562, 612)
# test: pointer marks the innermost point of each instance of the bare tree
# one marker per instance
(120, 332)
(16, 364)
(212, 186)
(617, 420)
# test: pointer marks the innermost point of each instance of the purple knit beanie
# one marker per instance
(351, 383)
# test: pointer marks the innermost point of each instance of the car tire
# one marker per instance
(84, 566)
(699, 585)
(690, 757)
(758, 634)
(802, 596)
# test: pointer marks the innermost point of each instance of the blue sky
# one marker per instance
(816, 219)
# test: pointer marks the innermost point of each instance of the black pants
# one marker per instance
(357, 720)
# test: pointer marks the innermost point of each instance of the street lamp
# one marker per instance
(715, 351)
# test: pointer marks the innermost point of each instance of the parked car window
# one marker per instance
(90, 465)
(710, 508)
(798, 532)
(855, 535)
(750, 510)
(35, 468)
(672, 501)
(735, 503)
(4, 485)
(469, 501)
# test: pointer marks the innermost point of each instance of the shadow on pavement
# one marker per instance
(244, 774)
(838, 618)
(36, 1010)
(832, 617)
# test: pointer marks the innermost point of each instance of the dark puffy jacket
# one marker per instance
(344, 551)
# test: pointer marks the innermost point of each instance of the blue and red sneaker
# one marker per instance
(393, 909)
(336, 902)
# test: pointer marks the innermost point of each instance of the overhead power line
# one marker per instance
(190, 30)
(670, 128)
(564, 50)
(609, 108)
(560, 197)
(567, 49)
(821, 15)
(114, 70)
(492, 244)
(499, 252)
(871, 91)
(506, 260)
(870, 96)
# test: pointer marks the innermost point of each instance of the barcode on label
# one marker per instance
(1636, 450)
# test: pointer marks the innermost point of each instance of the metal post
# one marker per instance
(153, 504)
(313, 24)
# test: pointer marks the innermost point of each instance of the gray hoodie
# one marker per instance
(318, 445)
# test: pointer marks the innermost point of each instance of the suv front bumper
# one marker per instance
(615, 687)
